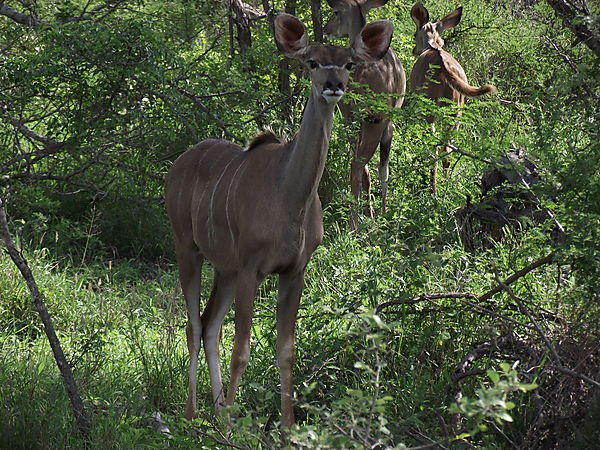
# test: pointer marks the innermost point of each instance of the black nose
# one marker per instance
(334, 85)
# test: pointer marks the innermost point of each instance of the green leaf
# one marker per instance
(493, 375)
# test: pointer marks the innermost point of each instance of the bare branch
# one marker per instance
(558, 366)
(576, 374)
(267, 108)
(51, 146)
(515, 276)
(19, 17)
(26, 131)
(59, 356)
(101, 12)
(207, 111)
(423, 297)
(455, 149)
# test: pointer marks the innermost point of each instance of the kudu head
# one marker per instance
(349, 17)
(329, 66)
(428, 33)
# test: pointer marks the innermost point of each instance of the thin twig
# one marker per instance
(558, 364)
(219, 441)
(208, 112)
(423, 297)
(455, 149)
(525, 311)
(583, 377)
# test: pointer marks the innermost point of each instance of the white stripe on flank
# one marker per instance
(197, 182)
(227, 201)
(211, 233)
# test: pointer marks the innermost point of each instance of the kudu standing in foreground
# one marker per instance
(436, 74)
(256, 211)
(385, 76)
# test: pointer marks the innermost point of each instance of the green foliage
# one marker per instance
(491, 402)
(126, 92)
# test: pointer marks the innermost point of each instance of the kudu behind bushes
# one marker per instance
(385, 76)
(436, 74)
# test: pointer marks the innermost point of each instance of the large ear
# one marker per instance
(290, 35)
(450, 20)
(373, 41)
(419, 14)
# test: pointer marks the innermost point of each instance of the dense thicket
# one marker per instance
(398, 339)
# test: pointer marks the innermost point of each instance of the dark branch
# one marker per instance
(19, 17)
(572, 18)
(59, 356)
(26, 131)
(515, 276)
(207, 111)
(423, 297)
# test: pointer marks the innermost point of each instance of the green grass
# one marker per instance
(124, 337)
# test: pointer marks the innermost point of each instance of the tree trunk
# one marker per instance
(315, 9)
(242, 24)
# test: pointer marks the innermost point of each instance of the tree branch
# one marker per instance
(515, 276)
(572, 18)
(19, 17)
(59, 356)
(423, 297)
(207, 111)
(28, 132)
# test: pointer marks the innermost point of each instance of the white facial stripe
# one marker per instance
(331, 67)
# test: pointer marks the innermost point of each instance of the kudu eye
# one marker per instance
(350, 65)
(312, 64)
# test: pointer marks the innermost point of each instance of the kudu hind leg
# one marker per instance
(218, 304)
(190, 262)
(370, 137)
(290, 290)
(448, 151)
(384, 162)
(434, 169)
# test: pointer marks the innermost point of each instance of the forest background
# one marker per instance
(420, 329)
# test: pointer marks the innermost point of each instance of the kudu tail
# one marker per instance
(463, 87)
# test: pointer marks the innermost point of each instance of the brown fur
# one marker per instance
(447, 81)
(384, 77)
(266, 137)
(255, 213)
(453, 79)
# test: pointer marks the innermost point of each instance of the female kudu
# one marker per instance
(436, 74)
(256, 211)
(386, 76)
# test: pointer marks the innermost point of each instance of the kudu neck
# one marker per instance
(304, 162)
(358, 22)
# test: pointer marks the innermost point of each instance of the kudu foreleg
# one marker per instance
(219, 303)
(288, 301)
